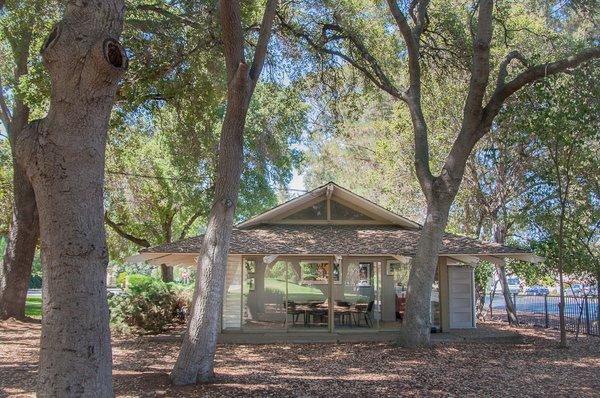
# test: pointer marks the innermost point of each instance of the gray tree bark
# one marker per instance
(63, 155)
(23, 231)
(511, 312)
(477, 119)
(166, 273)
(196, 357)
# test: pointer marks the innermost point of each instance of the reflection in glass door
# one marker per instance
(263, 297)
(308, 292)
(356, 303)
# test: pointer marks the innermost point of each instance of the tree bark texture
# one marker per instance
(63, 155)
(20, 249)
(499, 232)
(196, 357)
(23, 230)
(166, 273)
(416, 326)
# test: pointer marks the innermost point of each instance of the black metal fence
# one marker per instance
(581, 312)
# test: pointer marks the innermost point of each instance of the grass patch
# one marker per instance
(33, 307)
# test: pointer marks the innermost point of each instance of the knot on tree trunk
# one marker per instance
(94, 60)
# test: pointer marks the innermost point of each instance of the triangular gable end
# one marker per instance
(331, 210)
(329, 204)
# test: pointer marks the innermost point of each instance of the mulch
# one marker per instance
(533, 367)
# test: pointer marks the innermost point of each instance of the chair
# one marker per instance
(293, 311)
(362, 312)
(368, 312)
(400, 307)
(343, 311)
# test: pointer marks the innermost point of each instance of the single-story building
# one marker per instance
(332, 260)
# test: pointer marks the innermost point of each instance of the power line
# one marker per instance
(155, 177)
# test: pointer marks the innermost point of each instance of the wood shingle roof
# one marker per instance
(334, 239)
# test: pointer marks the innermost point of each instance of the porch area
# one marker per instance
(315, 294)
(484, 333)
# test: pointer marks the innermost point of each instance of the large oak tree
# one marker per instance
(63, 156)
(343, 39)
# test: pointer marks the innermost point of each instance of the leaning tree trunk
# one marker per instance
(63, 155)
(499, 234)
(196, 358)
(23, 231)
(511, 312)
(416, 326)
(20, 249)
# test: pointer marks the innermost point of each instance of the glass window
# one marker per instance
(318, 211)
(232, 312)
(341, 212)
(308, 292)
(264, 295)
(399, 272)
(314, 273)
(356, 301)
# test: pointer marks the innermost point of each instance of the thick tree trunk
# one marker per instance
(416, 326)
(22, 239)
(23, 231)
(64, 158)
(166, 273)
(195, 363)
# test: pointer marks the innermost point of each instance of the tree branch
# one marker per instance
(537, 72)
(189, 223)
(413, 95)
(5, 114)
(168, 14)
(480, 68)
(233, 37)
(117, 228)
(382, 80)
(388, 88)
(263, 40)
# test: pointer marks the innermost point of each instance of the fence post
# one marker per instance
(515, 302)
(587, 314)
(546, 319)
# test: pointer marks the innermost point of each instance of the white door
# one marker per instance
(461, 297)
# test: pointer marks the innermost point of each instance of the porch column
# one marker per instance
(444, 294)
(259, 286)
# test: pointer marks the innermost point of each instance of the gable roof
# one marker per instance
(329, 190)
(270, 233)
(335, 239)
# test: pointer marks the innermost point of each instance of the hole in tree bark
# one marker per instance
(114, 53)
(52, 38)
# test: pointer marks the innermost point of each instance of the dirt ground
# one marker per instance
(533, 367)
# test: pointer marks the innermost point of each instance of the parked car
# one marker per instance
(514, 284)
(537, 290)
(576, 289)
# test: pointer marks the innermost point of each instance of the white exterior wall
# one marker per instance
(461, 297)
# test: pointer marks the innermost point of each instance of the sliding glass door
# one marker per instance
(303, 294)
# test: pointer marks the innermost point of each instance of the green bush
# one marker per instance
(148, 305)
(121, 278)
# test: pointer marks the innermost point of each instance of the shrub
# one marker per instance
(121, 278)
(148, 305)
